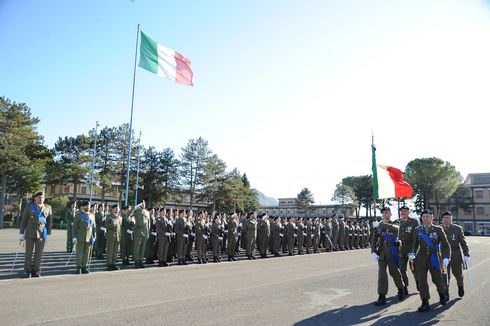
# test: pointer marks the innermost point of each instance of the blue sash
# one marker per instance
(89, 222)
(394, 248)
(434, 260)
(41, 218)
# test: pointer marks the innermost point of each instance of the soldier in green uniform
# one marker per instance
(384, 250)
(151, 242)
(140, 233)
(429, 246)
(232, 236)
(316, 229)
(309, 236)
(290, 235)
(69, 216)
(181, 236)
(250, 230)
(100, 241)
(300, 231)
(35, 226)
(406, 234)
(126, 235)
(335, 232)
(202, 233)
(84, 233)
(113, 223)
(216, 238)
(457, 241)
(263, 233)
(342, 232)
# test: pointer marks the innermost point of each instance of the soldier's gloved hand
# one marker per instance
(22, 237)
(130, 232)
(74, 241)
(467, 259)
(411, 256)
(375, 224)
(374, 256)
(115, 221)
(154, 234)
(445, 262)
(103, 229)
(168, 234)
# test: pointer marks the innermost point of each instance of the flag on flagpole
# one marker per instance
(388, 181)
(164, 62)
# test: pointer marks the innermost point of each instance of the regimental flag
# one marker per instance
(388, 181)
(164, 62)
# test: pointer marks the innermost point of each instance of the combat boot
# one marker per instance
(229, 258)
(381, 300)
(401, 294)
(443, 298)
(85, 271)
(142, 265)
(114, 267)
(460, 291)
(425, 306)
(233, 258)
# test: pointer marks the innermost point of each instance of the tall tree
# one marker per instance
(169, 166)
(151, 173)
(304, 200)
(73, 160)
(363, 190)
(105, 163)
(432, 177)
(19, 145)
(121, 141)
(343, 194)
(193, 160)
(213, 180)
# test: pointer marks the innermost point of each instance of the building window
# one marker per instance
(479, 194)
(480, 211)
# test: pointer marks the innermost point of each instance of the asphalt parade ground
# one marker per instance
(336, 288)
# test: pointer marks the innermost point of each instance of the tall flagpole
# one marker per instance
(137, 174)
(128, 166)
(93, 163)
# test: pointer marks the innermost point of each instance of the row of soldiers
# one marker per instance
(425, 247)
(165, 235)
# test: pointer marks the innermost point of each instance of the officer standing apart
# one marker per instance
(408, 227)
(35, 227)
(384, 250)
(430, 244)
(457, 241)
(84, 230)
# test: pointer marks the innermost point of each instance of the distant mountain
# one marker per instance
(266, 201)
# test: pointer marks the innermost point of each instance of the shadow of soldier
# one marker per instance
(369, 314)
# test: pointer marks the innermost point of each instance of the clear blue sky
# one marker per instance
(286, 91)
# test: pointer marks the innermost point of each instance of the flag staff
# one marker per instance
(137, 173)
(128, 166)
(93, 163)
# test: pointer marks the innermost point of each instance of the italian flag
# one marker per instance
(164, 62)
(388, 181)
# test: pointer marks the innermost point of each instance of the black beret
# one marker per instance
(84, 203)
(404, 207)
(385, 209)
(426, 211)
(114, 206)
(446, 213)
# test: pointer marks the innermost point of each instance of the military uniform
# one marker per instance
(35, 226)
(263, 234)
(232, 237)
(385, 246)
(300, 231)
(164, 234)
(406, 234)
(457, 241)
(181, 236)
(216, 238)
(316, 229)
(126, 236)
(430, 245)
(100, 242)
(335, 233)
(151, 242)
(69, 216)
(250, 230)
(309, 236)
(113, 238)
(290, 236)
(342, 232)
(141, 233)
(84, 233)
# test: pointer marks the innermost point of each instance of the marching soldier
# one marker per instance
(406, 233)
(84, 233)
(429, 246)
(290, 235)
(141, 233)
(232, 236)
(335, 232)
(316, 229)
(113, 223)
(35, 226)
(69, 216)
(457, 241)
(250, 230)
(300, 231)
(384, 250)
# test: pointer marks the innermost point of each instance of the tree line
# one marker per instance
(26, 163)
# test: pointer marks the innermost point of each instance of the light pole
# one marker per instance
(93, 164)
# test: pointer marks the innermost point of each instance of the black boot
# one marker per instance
(114, 267)
(215, 259)
(180, 262)
(460, 291)
(443, 298)
(233, 258)
(35, 273)
(401, 294)
(381, 300)
(425, 306)
(229, 258)
(405, 291)
(84, 270)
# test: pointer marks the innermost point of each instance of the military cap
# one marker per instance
(114, 206)
(446, 213)
(39, 193)
(404, 207)
(385, 209)
(426, 211)
(125, 207)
